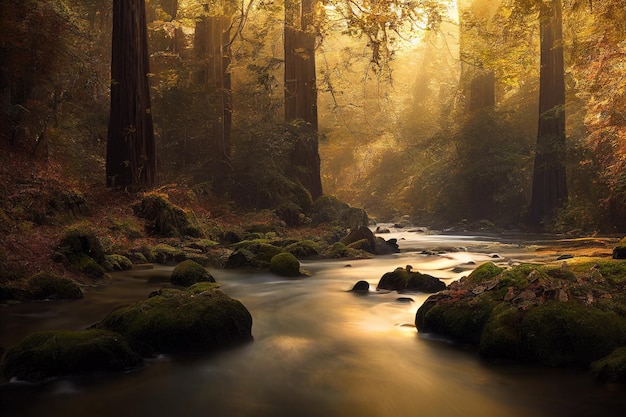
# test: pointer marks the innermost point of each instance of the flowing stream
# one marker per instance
(318, 350)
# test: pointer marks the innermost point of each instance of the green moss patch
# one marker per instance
(57, 353)
(178, 321)
(47, 286)
(117, 263)
(188, 273)
(612, 367)
(566, 315)
(285, 264)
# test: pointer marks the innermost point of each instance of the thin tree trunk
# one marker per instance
(131, 151)
(549, 190)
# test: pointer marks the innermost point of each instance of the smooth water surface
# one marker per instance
(318, 350)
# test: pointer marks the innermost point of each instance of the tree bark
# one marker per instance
(549, 190)
(131, 150)
(211, 47)
(300, 84)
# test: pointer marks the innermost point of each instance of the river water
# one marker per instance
(318, 350)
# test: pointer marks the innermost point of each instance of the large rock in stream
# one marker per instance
(566, 315)
(57, 353)
(200, 318)
(404, 279)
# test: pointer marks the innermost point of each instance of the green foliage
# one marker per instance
(285, 264)
(58, 353)
(188, 273)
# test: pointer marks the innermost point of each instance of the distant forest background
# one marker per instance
(432, 109)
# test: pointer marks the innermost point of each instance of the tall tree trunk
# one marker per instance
(131, 153)
(211, 42)
(549, 190)
(301, 89)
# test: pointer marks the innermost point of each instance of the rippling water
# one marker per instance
(318, 351)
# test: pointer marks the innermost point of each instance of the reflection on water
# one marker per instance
(318, 351)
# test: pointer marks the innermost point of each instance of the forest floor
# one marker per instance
(38, 204)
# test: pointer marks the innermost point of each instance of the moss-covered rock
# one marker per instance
(80, 241)
(164, 218)
(327, 209)
(285, 264)
(304, 249)
(502, 337)
(461, 320)
(483, 273)
(48, 286)
(612, 367)
(166, 254)
(190, 272)
(402, 279)
(82, 251)
(570, 333)
(178, 321)
(117, 262)
(566, 315)
(57, 353)
(253, 253)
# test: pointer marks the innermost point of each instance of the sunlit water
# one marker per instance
(318, 350)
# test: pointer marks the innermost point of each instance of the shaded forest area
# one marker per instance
(505, 113)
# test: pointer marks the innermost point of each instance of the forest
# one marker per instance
(431, 109)
(212, 148)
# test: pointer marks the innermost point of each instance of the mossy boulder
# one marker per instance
(303, 249)
(362, 238)
(329, 209)
(285, 264)
(166, 254)
(612, 367)
(566, 315)
(48, 286)
(190, 272)
(117, 262)
(339, 250)
(570, 333)
(58, 353)
(484, 273)
(80, 241)
(460, 320)
(164, 218)
(253, 253)
(402, 279)
(197, 319)
(81, 249)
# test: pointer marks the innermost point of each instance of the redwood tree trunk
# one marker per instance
(211, 42)
(301, 89)
(131, 153)
(549, 177)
